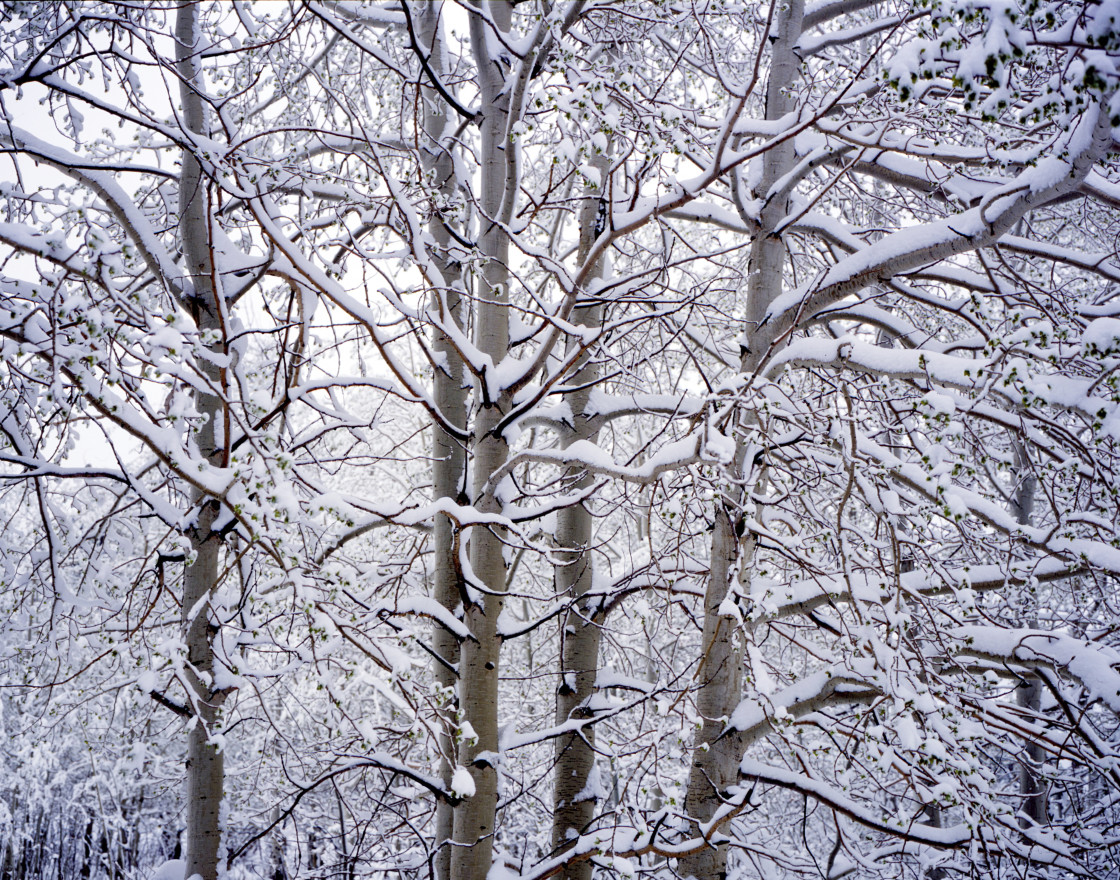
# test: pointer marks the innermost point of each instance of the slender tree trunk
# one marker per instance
(573, 797)
(205, 761)
(478, 669)
(448, 455)
(1034, 809)
(716, 757)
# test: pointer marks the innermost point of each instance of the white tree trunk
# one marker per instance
(205, 769)
(574, 800)
(448, 455)
(1032, 790)
(716, 757)
(478, 669)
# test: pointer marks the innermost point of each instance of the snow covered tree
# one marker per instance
(167, 405)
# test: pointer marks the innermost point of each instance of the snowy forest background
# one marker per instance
(560, 439)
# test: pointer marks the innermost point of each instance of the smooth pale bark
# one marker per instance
(448, 455)
(1033, 808)
(716, 757)
(276, 866)
(1032, 789)
(574, 799)
(205, 771)
(476, 816)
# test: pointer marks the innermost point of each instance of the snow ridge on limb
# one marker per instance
(1094, 666)
(1041, 849)
(910, 249)
(165, 269)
